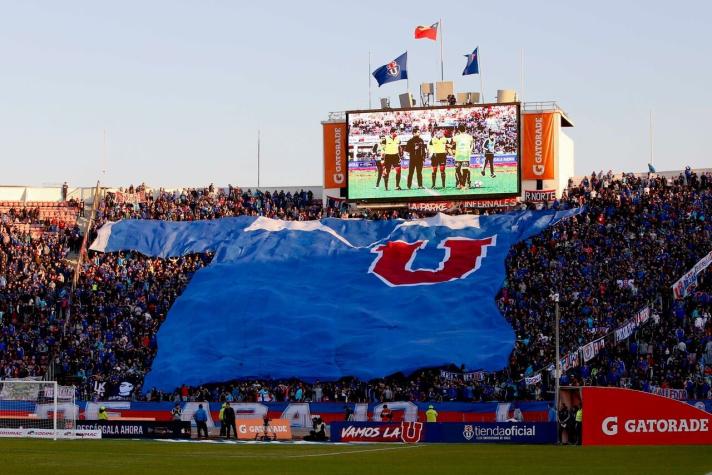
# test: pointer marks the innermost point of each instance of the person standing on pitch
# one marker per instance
(201, 420)
(463, 152)
(378, 154)
(489, 155)
(392, 152)
(579, 424)
(564, 417)
(416, 152)
(229, 418)
(431, 415)
(438, 151)
(221, 416)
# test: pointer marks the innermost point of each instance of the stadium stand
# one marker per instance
(36, 217)
(635, 237)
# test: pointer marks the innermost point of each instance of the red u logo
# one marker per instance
(411, 432)
(462, 257)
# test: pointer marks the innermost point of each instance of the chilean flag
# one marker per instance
(430, 32)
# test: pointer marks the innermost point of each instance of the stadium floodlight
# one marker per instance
(506, 95)
(38, 409)
(406, 100)
(426, 93)
(443, 89)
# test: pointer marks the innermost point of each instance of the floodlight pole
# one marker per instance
(104, 160)
(557, 371)
(258, 159)
(521, 75)
(369, 79)
(651, 138)
(442, 67)
(482, 81)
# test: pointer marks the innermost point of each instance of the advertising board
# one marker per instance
(445, 432)
(615, 416)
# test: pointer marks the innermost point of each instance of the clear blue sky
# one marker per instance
(182, 87)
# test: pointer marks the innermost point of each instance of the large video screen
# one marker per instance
(455, 152)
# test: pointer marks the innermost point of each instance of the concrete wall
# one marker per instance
(43, 193)
(566, 161)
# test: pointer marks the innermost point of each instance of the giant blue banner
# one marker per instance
(331, 298)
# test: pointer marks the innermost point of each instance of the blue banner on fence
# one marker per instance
(496, 432)
(331, 298)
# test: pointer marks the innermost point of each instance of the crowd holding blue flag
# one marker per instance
(355, 298)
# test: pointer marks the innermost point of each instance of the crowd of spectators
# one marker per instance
(634, 238)
(42, 215)
(35, 285)
(190, 204)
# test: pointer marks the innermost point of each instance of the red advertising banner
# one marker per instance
(615, 416)
(408, 432)
(250, 429)
(538, 146)
(539, 196)
(335, 155)
(130, 198)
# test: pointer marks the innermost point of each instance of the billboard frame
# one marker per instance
(467, 197)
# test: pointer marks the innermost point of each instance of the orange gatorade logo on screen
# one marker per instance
(335, 155)
(252, 429)
(538, 149)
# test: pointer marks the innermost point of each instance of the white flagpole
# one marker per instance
(258, 158)
(521, 77)
(104, 164)
(442, 68)
(651, 137)
(369, 79)
(407, 82)
(479, 67)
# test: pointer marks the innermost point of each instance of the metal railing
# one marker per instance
(542, 106)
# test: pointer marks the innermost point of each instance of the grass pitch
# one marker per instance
(362, 184)
(107, 457)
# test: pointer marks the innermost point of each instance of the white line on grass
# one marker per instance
(222, 454)
(326, 454)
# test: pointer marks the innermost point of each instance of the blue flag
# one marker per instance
(473, 63)
(393, 71)
(331, 298)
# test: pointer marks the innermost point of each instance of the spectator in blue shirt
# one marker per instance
(201, 420)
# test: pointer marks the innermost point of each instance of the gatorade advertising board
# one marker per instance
(615, 416)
